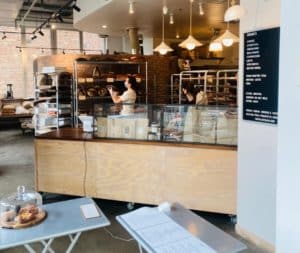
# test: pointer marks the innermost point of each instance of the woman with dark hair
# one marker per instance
(188, 91)
(128, 97)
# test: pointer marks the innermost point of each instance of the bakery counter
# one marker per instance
(201, 177)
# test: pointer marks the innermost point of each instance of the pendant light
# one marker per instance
(228, 38)
(235, 12)
(190, 43)
(215, 46)
(163, 48)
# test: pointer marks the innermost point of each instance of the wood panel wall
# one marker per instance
(199, 178)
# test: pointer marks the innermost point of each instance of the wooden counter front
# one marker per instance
(198, 176)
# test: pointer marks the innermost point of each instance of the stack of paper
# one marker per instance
(162, 234)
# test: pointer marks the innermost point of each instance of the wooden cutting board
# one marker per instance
(13, 225)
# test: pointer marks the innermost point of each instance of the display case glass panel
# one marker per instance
(215, 125)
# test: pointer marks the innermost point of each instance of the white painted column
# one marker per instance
(288, 173)
(257, 144)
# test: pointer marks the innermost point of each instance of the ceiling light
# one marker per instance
(228, 38)
(104, 26)
(131, 7)
(190, 43)
(165, 8)
(75, 7)
(201, 10)
(177, 36)
(53, 26)
(163, 48)
(33, 37)
(215, 46)
(41, 32)
(235, 12)
(171, 22)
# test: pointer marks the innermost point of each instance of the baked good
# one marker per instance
(27, 213)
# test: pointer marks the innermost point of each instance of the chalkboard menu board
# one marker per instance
(261, 67)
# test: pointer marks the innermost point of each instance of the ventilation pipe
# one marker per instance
(134, 40)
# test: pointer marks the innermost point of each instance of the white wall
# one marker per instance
(288, 174)
(115, 43)
(257, 145)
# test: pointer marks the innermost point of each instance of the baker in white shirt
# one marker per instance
(128, 97)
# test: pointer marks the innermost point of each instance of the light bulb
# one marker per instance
(215, 47)
(227, 42)
(201, 11)
(177, 36)
(163, 51)
(131, 7)
(190, 46)
(165, 10)
(171, 19)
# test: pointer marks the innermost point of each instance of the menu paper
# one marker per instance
(261, 67)
(162, 234)
(89, 211)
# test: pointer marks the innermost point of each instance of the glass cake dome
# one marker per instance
(20, 209)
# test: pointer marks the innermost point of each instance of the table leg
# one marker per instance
(47, 246)
(29, 248)
(74, 238)
(140, 248)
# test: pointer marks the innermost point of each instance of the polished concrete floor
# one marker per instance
(17, 168)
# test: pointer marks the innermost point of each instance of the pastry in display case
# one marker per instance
(21, 209)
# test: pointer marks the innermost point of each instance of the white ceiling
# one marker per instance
(9, 10)
(148, 18)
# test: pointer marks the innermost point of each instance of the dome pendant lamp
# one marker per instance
(190, 43)
(235, 12)
(228, 38)
(163, 48)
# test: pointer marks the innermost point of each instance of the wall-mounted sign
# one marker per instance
(261, 71)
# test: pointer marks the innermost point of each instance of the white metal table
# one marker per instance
(63, 219)
(215, 238)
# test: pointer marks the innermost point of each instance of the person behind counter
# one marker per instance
(188, 91)
(194, 97)
(128, 97)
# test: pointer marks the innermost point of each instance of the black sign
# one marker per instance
(261, 67)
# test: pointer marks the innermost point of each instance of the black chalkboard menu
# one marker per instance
(261, 67)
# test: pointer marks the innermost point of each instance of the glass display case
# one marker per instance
(215, 125)
(20, 209)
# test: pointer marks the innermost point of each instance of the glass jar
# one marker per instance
(21, 208)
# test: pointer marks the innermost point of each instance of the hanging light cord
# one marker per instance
(163, 26)
(191, 3)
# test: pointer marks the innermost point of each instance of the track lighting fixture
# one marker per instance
(63, 51)
(131, 7)
(59, 17)
(41, 32)
(4, 36)
(20, 50)
(75, 7)
(33, 37)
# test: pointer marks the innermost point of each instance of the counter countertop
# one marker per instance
(77, 134)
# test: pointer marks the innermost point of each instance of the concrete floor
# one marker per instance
(16, 168)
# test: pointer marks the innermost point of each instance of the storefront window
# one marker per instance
(93, 42)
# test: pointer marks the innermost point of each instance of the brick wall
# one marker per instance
(159, 70)
(17, 67)
(11, 63)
